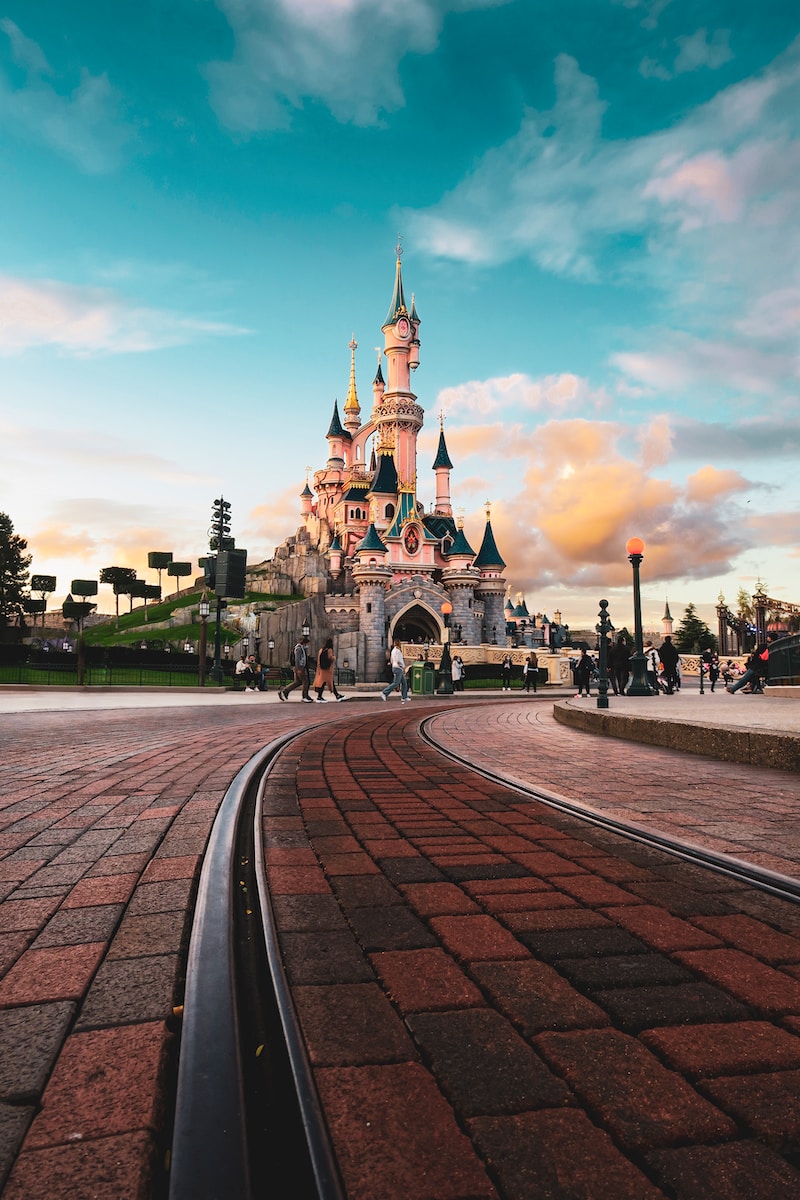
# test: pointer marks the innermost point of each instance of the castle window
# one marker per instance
(369, 608)
(388, 512)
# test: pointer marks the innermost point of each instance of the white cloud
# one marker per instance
(683, 362)
(83, 125)
(345, 53)
(84, 320)
(698, 51)
(552, 394)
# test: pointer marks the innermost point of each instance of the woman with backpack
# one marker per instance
(324, 675)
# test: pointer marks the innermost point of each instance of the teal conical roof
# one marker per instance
(335, 544)
(372, 541)
(460, 547)
(398, 302)
(488, 555)
(336, 428)
(306, 491)
(442, 457)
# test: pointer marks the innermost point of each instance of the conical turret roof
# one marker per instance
(460, 547)
(397, 306)
(488, 555)
(442, 457)
(371, 541)
(336, 428)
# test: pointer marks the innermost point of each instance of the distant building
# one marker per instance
(373, 562)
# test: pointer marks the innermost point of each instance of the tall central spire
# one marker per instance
(398, 304)
(352, 409)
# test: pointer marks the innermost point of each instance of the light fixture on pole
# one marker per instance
(445, 687)
(306, 629)
(271, 644)
(205, 609)
(639, 686)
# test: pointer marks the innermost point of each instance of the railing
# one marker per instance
(784, 661)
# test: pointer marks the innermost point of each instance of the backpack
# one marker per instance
(324, 659)
(291, 658)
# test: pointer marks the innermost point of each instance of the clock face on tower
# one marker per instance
(403, 328)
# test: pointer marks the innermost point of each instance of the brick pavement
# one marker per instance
(496, 1002)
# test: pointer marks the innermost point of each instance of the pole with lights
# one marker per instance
(445, 687)
(639, 686)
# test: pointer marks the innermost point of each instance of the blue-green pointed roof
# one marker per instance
(413, 314)
(521, 610)
(442, 457)
(306, 490)
(460, 547)
(398, 302)
(357, 491)
(488, 555)
(406, 510)
(371, 541)
(335, 544)
(385, 480)
(336, 427)
(379, 376)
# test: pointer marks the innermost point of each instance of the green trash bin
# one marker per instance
(417, 678)
(428, 678)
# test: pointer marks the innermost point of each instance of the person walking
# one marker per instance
(670, 658)
(531, 671)
(505, 671)
(713, 670)
(398, 665)
(324, 676)
(457, 673)
(583, 672)
(299, 664)
(622, 665)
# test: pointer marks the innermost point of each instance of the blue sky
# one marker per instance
(598, 201)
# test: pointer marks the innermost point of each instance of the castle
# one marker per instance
(372, 562)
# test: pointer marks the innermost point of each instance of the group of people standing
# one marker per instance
(302, 662)
(530, 672)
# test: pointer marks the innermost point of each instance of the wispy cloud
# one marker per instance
(556, 394)
(344, 53)
(81, 122)
(705, 211)
(83, 321)
(693, 52)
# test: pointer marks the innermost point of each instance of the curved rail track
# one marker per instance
(247, 1108)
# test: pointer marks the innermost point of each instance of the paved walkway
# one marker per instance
(563, 1014)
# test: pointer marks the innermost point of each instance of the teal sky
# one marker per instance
(598, 202)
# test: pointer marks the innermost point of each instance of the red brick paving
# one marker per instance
(497, 1001)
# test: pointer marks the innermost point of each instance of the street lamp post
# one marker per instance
(445, 687)
(217, 673)
(205, 609)
(639, 686)
(271, 644)
(603, 628)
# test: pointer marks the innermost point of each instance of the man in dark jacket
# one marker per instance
(669, 660)
(622, 665)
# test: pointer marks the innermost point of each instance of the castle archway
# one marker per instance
(417, 623)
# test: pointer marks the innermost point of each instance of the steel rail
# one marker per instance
(786, 887)
(214, 1145)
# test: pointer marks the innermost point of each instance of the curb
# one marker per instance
(781, 751)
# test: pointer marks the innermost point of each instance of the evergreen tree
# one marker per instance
(693, 635)
(14, 563)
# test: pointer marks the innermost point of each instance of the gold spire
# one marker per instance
(351, 403)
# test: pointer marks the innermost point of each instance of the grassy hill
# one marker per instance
(134, 628)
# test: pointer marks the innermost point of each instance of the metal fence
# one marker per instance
(784, 661)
